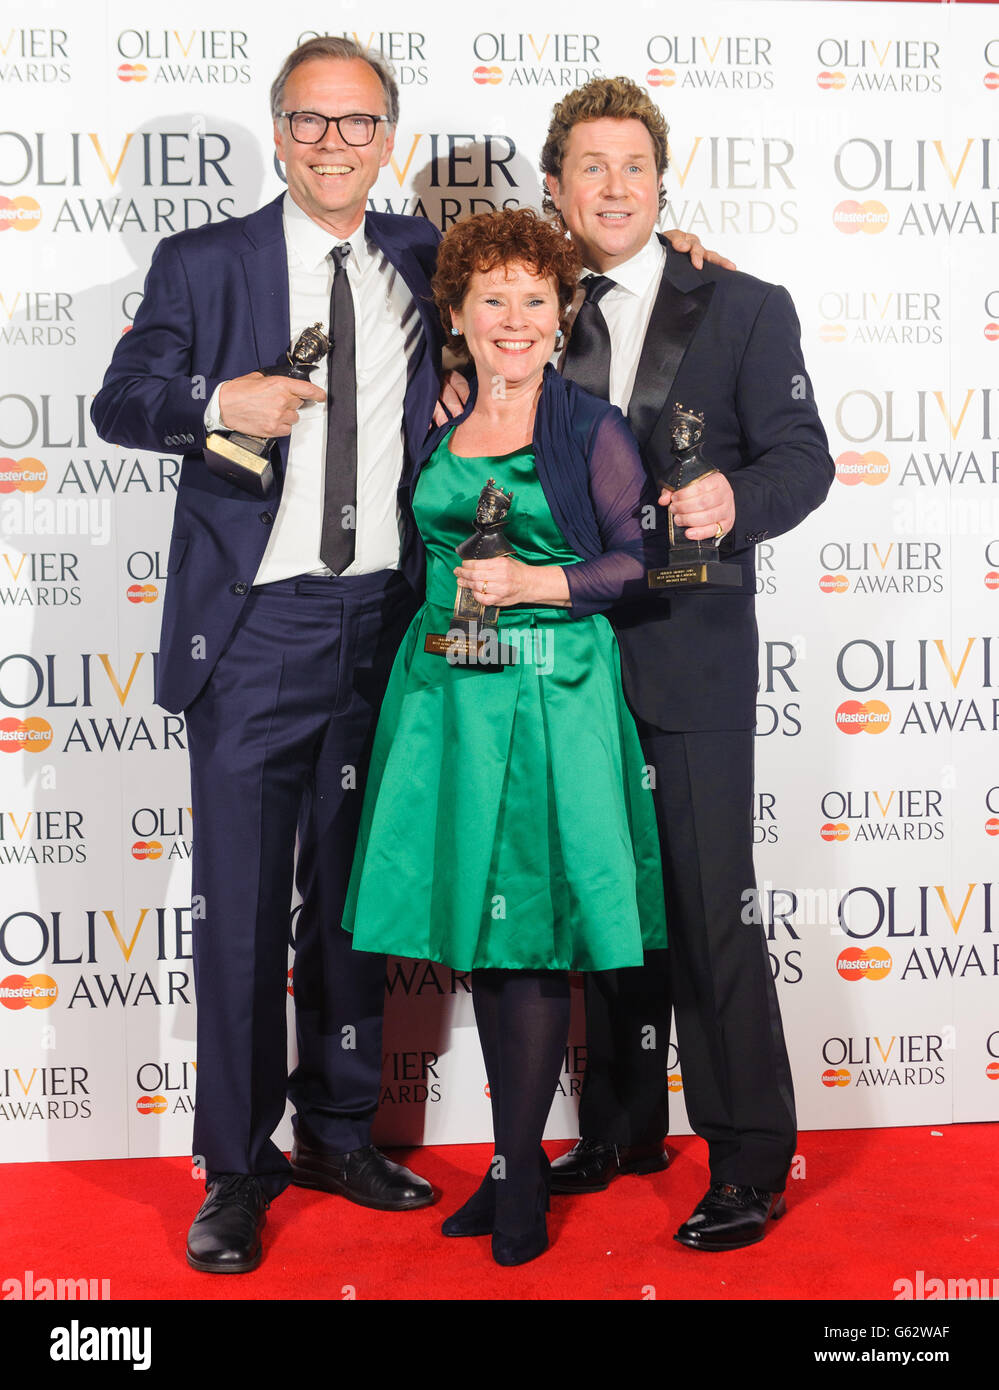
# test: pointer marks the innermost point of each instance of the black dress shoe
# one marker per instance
(592, 1165)
(225, 1235)
(729, 1217)
(364, 1176)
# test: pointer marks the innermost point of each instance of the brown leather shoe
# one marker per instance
(364, 1176)
(591, 1165)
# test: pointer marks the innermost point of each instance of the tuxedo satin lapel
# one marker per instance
(676, 317)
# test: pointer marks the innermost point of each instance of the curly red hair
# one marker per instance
(512, 236)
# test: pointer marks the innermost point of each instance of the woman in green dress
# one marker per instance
(507, 826)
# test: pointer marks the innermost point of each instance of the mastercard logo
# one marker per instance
(835, 830)
(992, 331)
(832, 333)
(856, 716)
(871, 468)
(992, 825)
(831, 81)
(992, 81)
(147, 849)
(872, 964)
(850, 216)
(660, 77)
(133, 72)
(151, 1105)
(836, 1077)
(28, 992)
(23, 214)
(25, 735)
(834, 583)
(674, 1081)
(992, 579)
(22, 475)
(992, 1071)
(487, 76)
(142, 593)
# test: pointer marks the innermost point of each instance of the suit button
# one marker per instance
(241, 587)
(266, 518)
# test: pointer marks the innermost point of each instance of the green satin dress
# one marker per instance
(507, 817)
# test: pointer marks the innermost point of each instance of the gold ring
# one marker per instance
(485, 585)
(719, 532)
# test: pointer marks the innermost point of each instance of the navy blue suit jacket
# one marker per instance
(215, 307)
(728, 345)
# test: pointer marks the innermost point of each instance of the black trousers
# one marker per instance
(279, 742)
(715, 976)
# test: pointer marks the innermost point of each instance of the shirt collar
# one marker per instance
(313, 244)
(635, 275)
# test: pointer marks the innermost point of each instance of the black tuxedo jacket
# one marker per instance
(215, 306)
(727, 345)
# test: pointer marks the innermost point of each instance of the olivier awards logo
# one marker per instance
(868, 815)
(200, 57)
(900, 1061)
(154, 165)
(78, 958)
(556, 60)
(34, 56)
(710, 62)
(931, 932)
(931, 185)
(917, 421)
(751, 175)
(878, 65)
(881, 567)
(880, 317)
(914, 668)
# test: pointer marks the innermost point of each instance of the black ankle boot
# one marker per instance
(475, 1218)
(518, 1249)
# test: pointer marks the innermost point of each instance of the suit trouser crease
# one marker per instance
(736, 1076)
(290, 705)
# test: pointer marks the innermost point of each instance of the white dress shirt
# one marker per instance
(387, 328)
(627, 308)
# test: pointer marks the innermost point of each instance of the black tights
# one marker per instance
(523, 1022)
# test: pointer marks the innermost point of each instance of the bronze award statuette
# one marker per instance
(691, 564)
(245, 459)
(472, 638)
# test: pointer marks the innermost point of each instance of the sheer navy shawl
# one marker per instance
(593, 479)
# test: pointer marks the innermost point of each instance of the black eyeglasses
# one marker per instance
(308, 127)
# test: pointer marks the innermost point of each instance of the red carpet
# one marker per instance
(869, 1208)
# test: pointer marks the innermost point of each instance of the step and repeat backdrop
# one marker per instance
(846, 151)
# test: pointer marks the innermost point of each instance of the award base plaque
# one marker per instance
(241, 459)
(245, 459)
(709, 572)
(472, 638)
(691, 564)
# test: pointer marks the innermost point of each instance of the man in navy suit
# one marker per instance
(654, 333)
(281, 620)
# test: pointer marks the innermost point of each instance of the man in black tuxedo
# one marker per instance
(281, 619)
(652, 333)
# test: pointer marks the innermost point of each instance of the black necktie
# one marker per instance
(588, 355)
(336, 546)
